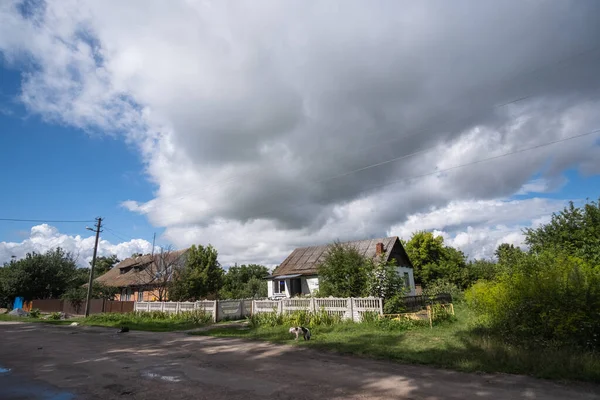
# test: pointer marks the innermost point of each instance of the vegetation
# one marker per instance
(38, 276)
(460, 344)
(155, 321)
(104, 264)
(201, 277)
(244, 282)
(346, 273)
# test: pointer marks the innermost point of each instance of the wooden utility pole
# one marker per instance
(89, 292)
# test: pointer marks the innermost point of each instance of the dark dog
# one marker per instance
(300, 329)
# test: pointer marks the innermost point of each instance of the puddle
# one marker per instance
(4, 370)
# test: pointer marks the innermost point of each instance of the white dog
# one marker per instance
(298, 329)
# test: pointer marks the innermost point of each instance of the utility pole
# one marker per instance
(89, 293)
(153, 240)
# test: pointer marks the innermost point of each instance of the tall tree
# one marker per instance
(158, 273)
(40, 276)
(244, 281)
(104, 264)
(574, 230)
(201, 277)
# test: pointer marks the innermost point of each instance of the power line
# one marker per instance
(112, 232)
(415, 131)
(437, 171)
(46, 220)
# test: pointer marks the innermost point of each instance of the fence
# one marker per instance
(347, 308)
(209, 306)
(416, 303)
(97, 306)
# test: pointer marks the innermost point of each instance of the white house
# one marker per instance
(297, 274)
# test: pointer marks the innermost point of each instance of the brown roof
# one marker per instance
(136, 276)
(305, 260)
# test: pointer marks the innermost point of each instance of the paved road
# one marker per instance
(67, 363)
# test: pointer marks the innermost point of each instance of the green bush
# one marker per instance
(394, 305)
(196, 317)
(444, 286)
(545, 299)
(296, 318)
(35, 313)
(55, 315)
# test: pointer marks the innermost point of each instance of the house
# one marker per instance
(143, 278)
(297, 274)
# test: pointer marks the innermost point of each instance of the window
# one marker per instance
(140, 295)
(406, 280)
(126, 294)
(278, 286)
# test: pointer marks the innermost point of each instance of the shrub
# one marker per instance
(196, 317)
(544, 299)
(296, 318)
(35, 313)
(444, 286)
(394, 305)
(55, 315)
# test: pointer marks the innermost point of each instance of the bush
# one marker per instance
(545, 299)
(35, 313)
(441, 286)
(195, 317)
(394, 305)
(55, 315)
(297, 318)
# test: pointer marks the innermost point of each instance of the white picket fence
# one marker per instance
(347, 308)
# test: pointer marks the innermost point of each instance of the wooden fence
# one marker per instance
(416, 303)
(97, 306)
(347, 308)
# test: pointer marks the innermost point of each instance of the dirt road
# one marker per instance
(64, 363)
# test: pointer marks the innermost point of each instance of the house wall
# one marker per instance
(312, 284)
(270, 288)
(148, 295)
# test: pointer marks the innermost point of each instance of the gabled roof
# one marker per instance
(306, 260)
(137, 270)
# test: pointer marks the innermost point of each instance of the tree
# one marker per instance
(424, 250)
(40, 276)
(159, 271)
(433, 261)
(104, 264)
(244, 281)
(384, 280)
(574, 231)
(343, 272)
(201, 277)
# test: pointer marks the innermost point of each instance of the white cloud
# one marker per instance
(243, 112)
(45, 237)
(479, 227)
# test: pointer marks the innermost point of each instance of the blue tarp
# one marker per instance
(18, 303)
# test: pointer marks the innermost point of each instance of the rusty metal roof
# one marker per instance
(306, 260)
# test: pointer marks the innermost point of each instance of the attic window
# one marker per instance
(125, 270)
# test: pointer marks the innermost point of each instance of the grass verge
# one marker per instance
(461, 345)
(141, 321)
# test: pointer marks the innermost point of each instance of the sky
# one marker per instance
(259, 127)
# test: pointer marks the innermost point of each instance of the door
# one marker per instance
(295, 287)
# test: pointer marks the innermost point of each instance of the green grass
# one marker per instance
(461, 345)
(152, 322)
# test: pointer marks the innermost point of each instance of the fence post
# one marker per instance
(280, 307)
(177, 307)
(313, 304)
(216, 308)
(380, 306)
(162, 306)
(253, 307)
(350, 307)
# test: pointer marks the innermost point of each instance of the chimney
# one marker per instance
(379, 249)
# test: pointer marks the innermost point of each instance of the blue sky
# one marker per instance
(56, 172)
(224, 125)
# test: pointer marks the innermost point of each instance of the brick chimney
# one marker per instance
(379, 249)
